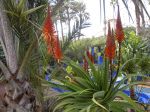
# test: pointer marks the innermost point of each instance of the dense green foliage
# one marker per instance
(92, 91)
(78, 47)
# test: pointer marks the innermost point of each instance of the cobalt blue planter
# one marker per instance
(100, 60)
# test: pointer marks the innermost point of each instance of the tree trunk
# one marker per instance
(6, 39)
(15, 95)
(68, 17)
(80, 21)
(137, 14)
(56, 28)
(61, 25)
(142, 16)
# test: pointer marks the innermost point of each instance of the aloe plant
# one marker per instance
(92, 91)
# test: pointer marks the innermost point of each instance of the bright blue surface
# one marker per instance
(59, 90)
(100, 60)
(142, 97)
(114, 74)
(139, 78)
(92, 51)
(47, 77)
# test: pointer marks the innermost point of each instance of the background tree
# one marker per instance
(140, 12)
(80, 12)
(71, 12)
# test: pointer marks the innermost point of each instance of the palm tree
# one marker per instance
(79, 9)
(140, 12)
(61, 24)
(69, 15)
(15, 39)
(71, 12)
(20, 34)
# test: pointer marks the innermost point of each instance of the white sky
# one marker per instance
(96, 28)
(93, 7)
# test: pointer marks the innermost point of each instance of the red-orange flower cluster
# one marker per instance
(90, 56)
(57, 49)
(51, 38)
(85, 62)
(119, 29)
(110, 44)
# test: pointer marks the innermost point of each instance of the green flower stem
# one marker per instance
(112, 82)
(106, 72)
(111, 71)
(119, 61)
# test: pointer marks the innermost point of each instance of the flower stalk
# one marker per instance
(118, 67)
(51, 38)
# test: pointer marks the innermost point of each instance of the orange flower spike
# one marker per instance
(51, 37)
(57, 50)
(108, 35)
(107, 50)
(110, 44)
(119, 28)
(48, 29)
(113, 45)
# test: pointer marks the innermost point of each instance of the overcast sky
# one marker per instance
(96, 28)
(93, 8)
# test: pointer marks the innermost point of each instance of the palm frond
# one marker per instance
(59, 4)
(7, 41)
(26, 59)
(126, 5)
(144, 8)
(76, 31)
